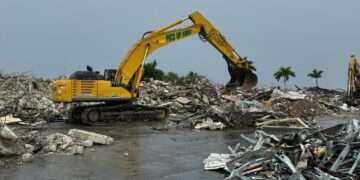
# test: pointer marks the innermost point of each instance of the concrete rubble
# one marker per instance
(332, 153)
(9, 142)
(74, 142)
(27, 98)
(25, 101)
(25, 146)
(90, 137)
(207, 103)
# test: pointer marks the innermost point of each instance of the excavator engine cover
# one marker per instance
(241, 77)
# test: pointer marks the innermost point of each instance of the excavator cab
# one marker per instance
(109, 74)
(86, 75)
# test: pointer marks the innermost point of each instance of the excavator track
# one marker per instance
(102, 114)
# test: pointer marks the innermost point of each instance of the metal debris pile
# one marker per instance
(332, 154)
(28, 98)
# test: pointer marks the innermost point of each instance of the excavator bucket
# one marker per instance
(241, 77)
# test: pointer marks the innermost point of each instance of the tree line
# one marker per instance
(152, 71)
(284, 73)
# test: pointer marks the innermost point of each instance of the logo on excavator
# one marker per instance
(177, 35)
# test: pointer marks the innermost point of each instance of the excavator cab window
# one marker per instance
(109, 74)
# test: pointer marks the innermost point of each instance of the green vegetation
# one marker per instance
(151, 71)
(284, 73)
(316, 74)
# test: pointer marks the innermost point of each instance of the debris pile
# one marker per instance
(72, 143)
(9, 144)
(332, 153)
(295, 104)
(214, 107)
(28, 98)
(182, 96)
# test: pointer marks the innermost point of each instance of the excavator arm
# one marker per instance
(353, 84)
(130, 70)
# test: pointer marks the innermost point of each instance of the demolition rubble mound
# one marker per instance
(193, 101)
(206, 106)
(307, 155)
(28, 98)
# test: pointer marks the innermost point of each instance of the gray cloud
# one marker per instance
(50, 38)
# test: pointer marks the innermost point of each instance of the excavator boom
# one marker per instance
(240, 71)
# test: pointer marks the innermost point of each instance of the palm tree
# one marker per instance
(285, 73)
(316, 74)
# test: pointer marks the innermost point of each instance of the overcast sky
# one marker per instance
(55, 37)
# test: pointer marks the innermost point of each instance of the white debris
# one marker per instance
(205, 99)
(29, 148)
(232, 98)
(283, 123)
(293, 95)
(210, 124)
(250, 106)
(216, 110)
(9, 119)
(58, 140)
(76, 149)
(94, 137)
(183, 100)
(345, 107)
(216, 161)
(7, 133)
(27, 157)
(87, 143)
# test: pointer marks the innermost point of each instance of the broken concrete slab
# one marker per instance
(209, 124)
(83, 135)
(7, 133)
(87, 143)
(76, 150)
(9, 144)
(58, 141)
(9, 119)
(183, 100)
(29, 148)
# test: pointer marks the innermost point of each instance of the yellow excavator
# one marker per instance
(115, 90)
(353, 83)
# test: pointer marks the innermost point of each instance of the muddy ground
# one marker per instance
(139, 152)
